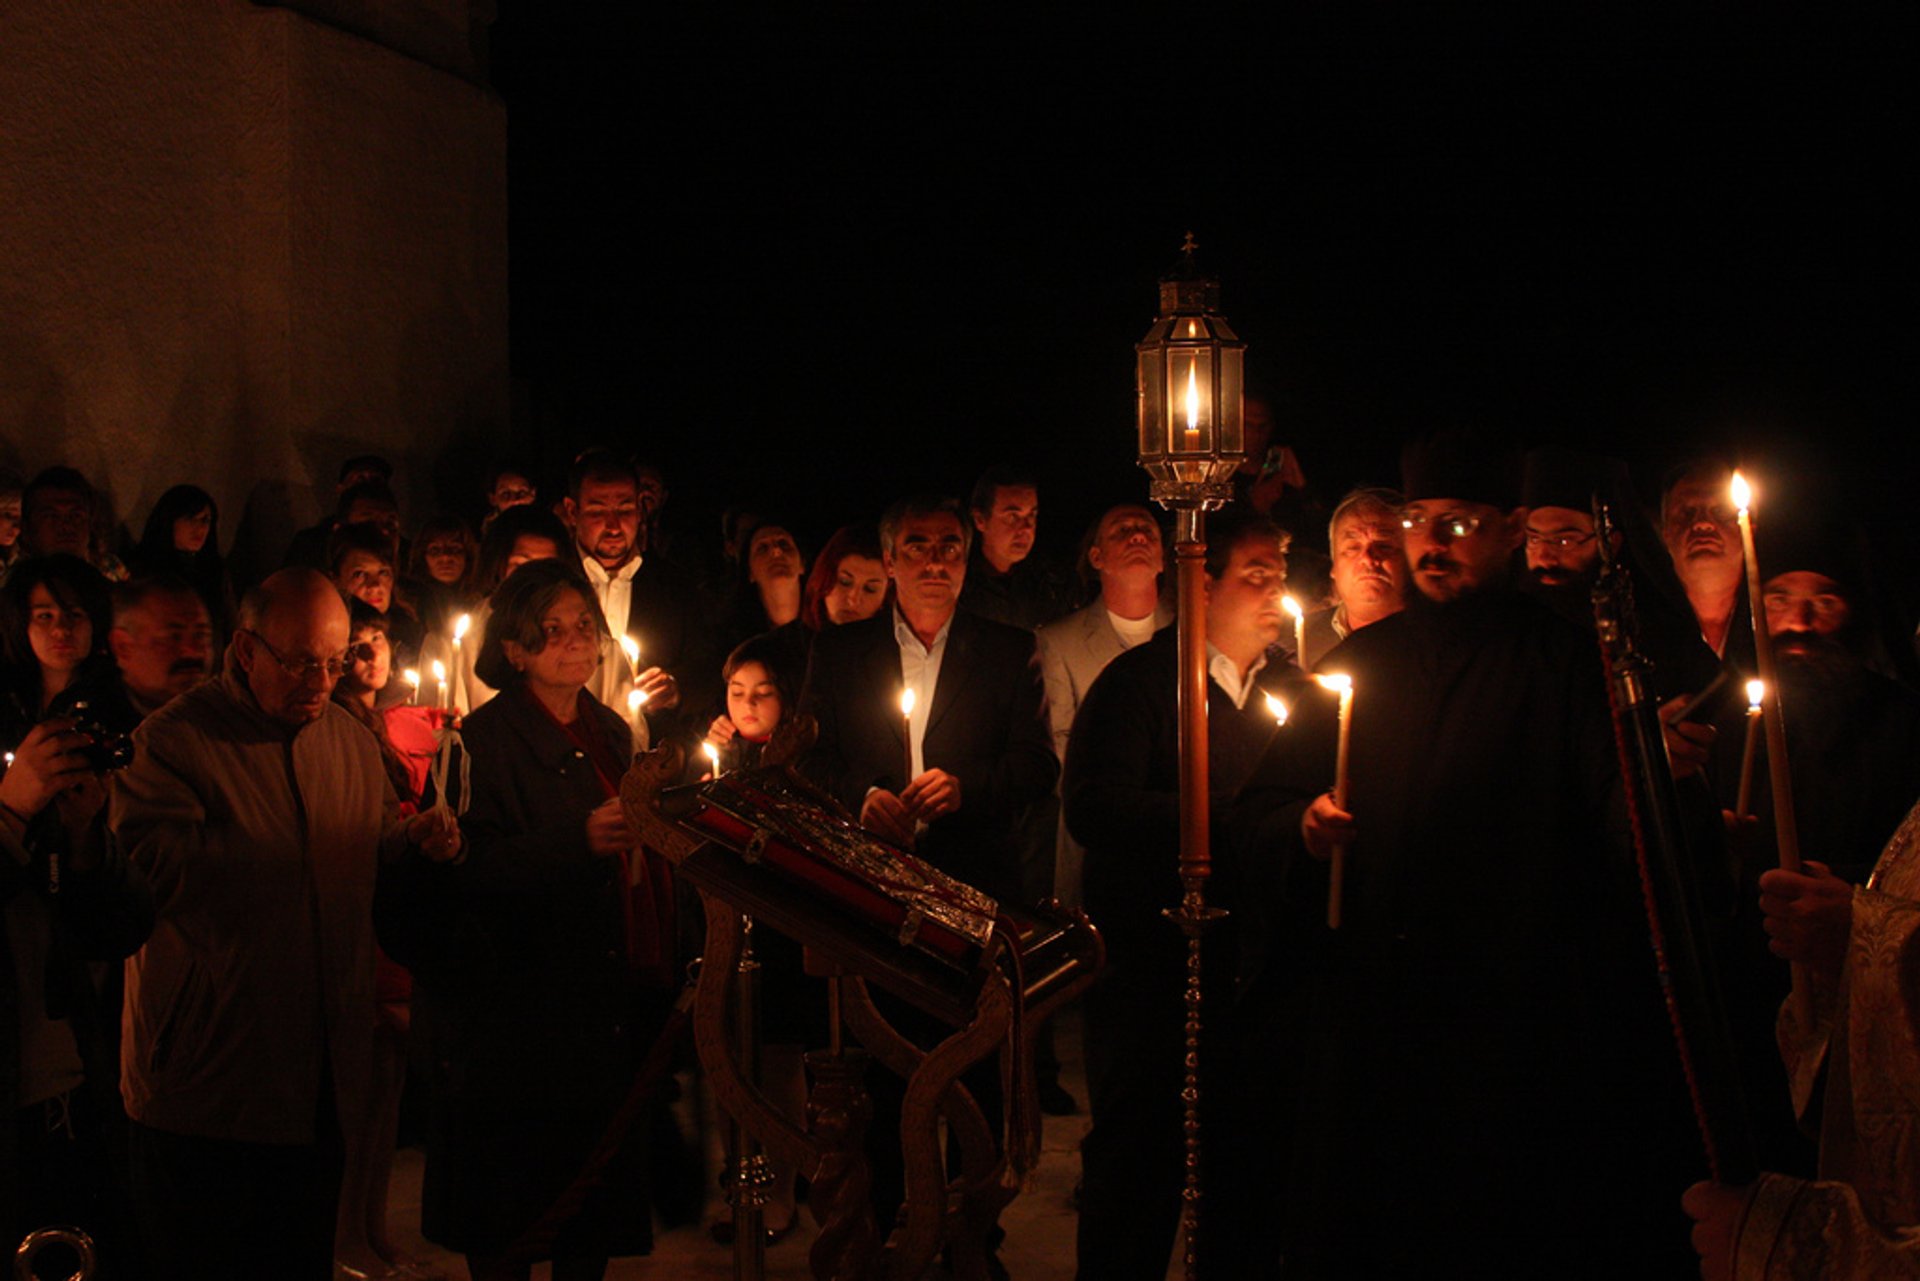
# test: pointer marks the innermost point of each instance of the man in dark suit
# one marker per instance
(949, 779)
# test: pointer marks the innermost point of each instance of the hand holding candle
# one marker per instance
(1342, 685)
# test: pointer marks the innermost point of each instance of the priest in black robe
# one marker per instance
(1489, 1080)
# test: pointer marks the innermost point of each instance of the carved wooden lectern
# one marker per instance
(763, 846)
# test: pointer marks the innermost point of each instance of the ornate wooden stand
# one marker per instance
(994, 1007)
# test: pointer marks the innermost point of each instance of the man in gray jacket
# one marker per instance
(259, 812)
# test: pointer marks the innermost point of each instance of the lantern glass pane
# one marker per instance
(1232, 428)
(1152, 400)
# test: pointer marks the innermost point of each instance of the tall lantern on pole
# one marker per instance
(1191, 442)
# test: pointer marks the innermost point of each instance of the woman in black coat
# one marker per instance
(543, 960)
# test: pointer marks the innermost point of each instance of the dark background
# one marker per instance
(821, 263)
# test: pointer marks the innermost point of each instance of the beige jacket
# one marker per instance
(262, 849)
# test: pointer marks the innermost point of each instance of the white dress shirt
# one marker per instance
(615, 591)
(1226, 674)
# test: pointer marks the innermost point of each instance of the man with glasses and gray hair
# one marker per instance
(259, 812)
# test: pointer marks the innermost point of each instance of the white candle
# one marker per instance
(713, 757)
(443, 697)
(907, 701)
(1756, 695)
(1343, 685)
(412, 677)
(1299, 617)
(460, 626)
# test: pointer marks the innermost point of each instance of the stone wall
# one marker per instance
(237, 245)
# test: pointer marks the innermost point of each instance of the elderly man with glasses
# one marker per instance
(260, 813)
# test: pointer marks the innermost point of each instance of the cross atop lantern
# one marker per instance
(1191, 438)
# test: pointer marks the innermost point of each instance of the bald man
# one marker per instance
(260, 812)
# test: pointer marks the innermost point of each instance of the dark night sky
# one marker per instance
(831, 264)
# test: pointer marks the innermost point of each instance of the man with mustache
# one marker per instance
(1369, 570)
(951, 780)
(1698, 525)
(1487, 1009)
(162, 641)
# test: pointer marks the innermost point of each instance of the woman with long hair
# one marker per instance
(182, 538)
(446, 561)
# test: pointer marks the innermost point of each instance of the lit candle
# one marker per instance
(1193, 404)
(713, 757)
(907, 701)
(636, 698)
(1342, 685)
(632, 648)
(1277, 710)
(1299, 617)
(1756, 693)
(442, 697)
(412, 677)
(460, 626)
(1786, 833)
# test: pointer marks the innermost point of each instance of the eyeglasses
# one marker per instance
(1562, 539)
(1450, 525)
(305, 669)
(939, 553)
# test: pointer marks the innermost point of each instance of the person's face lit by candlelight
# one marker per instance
(163, 645)
(510, 489)
(445, 556)
(753, 701)
(773, 555)
(1700, 527)
(1455, 548)
(366, 577)
(1561, 546)
(1369, 569)
(570, 646)
(369, 662)
(1127, 545)
(928, 563)
(1007, 528)
(531, 547)
(294, 652)
(1244, 614)
(60, 634)
(1807, 613)
(9, 520)
(859, 589)
(190, 532)
(606, 520)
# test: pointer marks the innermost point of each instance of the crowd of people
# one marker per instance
(246, 901)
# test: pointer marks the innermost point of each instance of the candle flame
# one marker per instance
(1756, 694)
(1276, 709)
(1338, 682)
(460, 626)
(1741, 492)
(635, 697)
(439, 672)
(411, 676)
(1193, 397)
(1292, 606)
(907, 700)
(632, 647)
(713, 755)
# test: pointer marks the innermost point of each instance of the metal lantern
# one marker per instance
(1191, 437)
